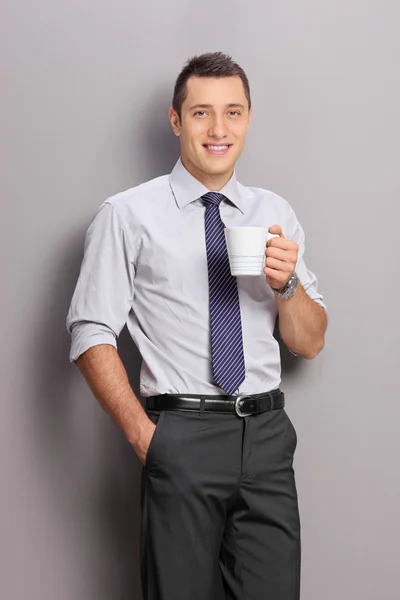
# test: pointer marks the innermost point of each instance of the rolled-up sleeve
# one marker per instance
(307, 279)
(104, 291)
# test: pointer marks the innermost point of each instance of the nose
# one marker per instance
(217, 127)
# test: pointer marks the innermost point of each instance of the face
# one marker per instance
(213, 126)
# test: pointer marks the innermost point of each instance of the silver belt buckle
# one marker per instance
(237, 407)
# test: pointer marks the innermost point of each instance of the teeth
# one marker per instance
(217, 147)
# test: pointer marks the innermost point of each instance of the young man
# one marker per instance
(219, 502)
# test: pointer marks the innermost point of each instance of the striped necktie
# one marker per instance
(225, 321)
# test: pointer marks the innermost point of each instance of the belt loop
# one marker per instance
(202, 405)
(271, 399)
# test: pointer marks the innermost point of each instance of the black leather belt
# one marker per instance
(242, 405)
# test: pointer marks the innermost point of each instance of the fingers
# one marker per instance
(275, 279)
(280, 257)
(276, 230)
(280, 254)
(278, 265)
(283, 243)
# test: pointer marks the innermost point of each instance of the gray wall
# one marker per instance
(88, 86)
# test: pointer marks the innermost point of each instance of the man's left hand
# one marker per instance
(281, 258)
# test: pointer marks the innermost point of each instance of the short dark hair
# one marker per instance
(212, 64)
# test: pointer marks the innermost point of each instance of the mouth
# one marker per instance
(217, 149)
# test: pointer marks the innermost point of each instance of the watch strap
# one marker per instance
(289, 289)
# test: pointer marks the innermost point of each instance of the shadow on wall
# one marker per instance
(159, 147)
(90, 473)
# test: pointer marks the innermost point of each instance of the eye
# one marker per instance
(234, 112)
(200, 113)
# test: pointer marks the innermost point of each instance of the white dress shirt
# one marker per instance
(145, 265)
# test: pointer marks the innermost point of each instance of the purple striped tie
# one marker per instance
(226, 326)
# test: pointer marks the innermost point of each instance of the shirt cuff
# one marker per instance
(86, 335)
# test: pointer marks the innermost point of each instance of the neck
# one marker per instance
(214, 183)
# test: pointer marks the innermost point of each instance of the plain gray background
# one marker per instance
(86, 90)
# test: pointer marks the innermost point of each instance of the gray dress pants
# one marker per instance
(220, 517)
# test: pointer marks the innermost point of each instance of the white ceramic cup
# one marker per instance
(246, 249)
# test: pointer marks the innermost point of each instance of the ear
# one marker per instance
(175, 122)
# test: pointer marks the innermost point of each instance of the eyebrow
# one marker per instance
(234, 105)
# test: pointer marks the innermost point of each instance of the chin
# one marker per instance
(212, 165)
(222, 169)
(216, 165)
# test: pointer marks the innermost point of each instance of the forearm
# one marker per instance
(107, 378)
(302, 324)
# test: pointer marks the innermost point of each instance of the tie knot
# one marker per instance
(213, 198)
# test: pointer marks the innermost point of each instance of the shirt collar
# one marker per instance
(187, 189)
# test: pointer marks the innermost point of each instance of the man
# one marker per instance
(219, 502)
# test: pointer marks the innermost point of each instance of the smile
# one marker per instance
(218, 149)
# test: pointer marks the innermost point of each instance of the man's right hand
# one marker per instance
(142, 445)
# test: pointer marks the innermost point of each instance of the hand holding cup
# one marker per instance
(280, 258)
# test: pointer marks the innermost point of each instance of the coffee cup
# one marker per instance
(246, 249)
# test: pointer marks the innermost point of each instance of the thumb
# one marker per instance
(276, 230)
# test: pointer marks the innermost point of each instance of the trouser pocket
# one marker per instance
(292, 429)
(157, 417)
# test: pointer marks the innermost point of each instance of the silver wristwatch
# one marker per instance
(289, 289)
